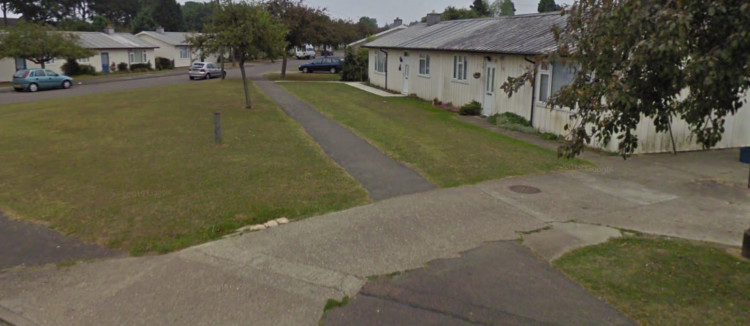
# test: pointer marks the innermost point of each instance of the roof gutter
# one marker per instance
(533, 93)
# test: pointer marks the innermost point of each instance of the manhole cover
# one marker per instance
(521, 189)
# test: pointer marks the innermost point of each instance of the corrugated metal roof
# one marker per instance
(171, 38)
(381, 34)
(99, 40)
(521, 34)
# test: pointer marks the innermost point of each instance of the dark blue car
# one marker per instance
(33, 80)
(331, 64)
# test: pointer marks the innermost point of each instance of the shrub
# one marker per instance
(70, 67)
(354, 67)
(140, 67)
(87, 70)
(122, 66)
(473, 108)
(162, 63)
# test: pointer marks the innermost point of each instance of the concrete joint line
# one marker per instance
(529, 211)
(9, 317)
(344, 283)
(481, 315)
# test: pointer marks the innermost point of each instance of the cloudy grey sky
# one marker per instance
(408, 10)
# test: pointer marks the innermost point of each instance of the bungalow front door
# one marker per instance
(489, 89)
(405, 70)
(105, 62)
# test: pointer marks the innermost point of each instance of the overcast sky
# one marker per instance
(408, 10)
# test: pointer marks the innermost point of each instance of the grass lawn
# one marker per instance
(139, 170)
(665, 282)
(297, 76)
(445, 150)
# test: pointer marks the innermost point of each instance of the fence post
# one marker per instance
(217, 127)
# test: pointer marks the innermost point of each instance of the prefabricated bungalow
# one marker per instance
(459, 61)
(109, 48)
(173, 46)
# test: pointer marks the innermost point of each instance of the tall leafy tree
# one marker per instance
(547, 6)
(40, 43)
(118, 12)
(299, 21)
(505, 8)
(481, 7)
(453, 13)
(167, 14)
(247, 29)
(195, 14)
(655, 59)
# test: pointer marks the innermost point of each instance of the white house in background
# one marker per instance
(172, 45)
(460, 61)
(108, 47)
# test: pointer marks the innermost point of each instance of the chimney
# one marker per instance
(433, 18)
(109, 30)
(397, 22)
(160, 30)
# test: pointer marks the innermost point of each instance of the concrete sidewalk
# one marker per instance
(284, 275)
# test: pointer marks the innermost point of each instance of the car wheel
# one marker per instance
(305, 70)
(66, 84)
(333, 70)
(191, 77)
(33, 88)
(208, 76)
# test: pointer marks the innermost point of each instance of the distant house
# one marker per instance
(109, 48)
(460, 61)
(173, 46)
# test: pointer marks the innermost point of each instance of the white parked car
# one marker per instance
(308, 52)
(204, 70)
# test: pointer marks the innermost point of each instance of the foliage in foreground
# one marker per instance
(40, 43)
(246, 30)
(665, 281)
(657, 59)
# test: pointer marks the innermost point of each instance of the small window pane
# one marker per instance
(544, 87)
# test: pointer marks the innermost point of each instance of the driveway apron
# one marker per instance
(381, 175)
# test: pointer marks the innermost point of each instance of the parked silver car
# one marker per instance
(204, 70)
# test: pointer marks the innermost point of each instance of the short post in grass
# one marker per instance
(217, 127)
(746, 244)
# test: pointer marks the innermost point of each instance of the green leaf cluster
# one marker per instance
(40, 43)
(657, 59)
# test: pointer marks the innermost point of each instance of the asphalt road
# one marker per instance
(129, 83)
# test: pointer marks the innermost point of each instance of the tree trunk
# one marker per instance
(5, 13)
(248, 105)
(223, 72)
(283, 68)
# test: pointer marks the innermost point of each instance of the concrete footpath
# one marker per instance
(381, 175)
(285, 275)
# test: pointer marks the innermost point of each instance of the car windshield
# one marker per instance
(21, 74)
(197, 65)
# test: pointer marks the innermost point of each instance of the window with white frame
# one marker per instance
(84, 60)
(551, 78)
(460, 66)
(424, 64)
(184, 52)
(138, 56)
(380, 61)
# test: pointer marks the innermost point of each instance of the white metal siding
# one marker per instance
(441, 85)
(736, 131)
